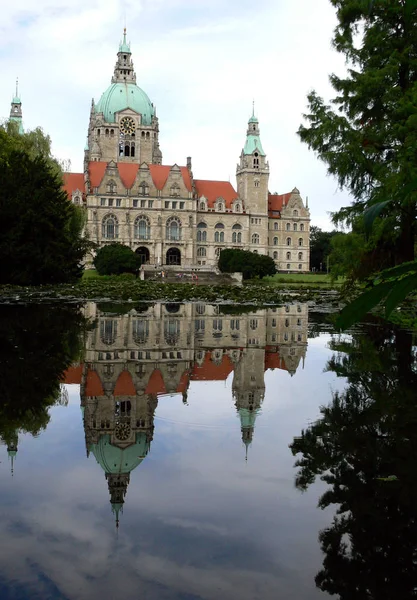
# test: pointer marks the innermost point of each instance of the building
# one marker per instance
(133, 359)
(161, 211)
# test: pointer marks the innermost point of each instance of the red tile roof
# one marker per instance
(276, 202)
(128, 173)
(72, 182)
(210, 371)
(93, 385)
(215, 189)
(273, 359)
(124, 385)
(156, 383)
(73, 375)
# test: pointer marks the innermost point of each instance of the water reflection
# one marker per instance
(364, 447)
(134, 357)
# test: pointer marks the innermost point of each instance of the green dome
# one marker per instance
(115, 460)
(119, 96)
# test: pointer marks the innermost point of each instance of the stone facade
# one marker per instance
(162, 212)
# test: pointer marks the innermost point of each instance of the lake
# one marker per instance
(195, 451)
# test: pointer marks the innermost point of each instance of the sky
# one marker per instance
(201, 62)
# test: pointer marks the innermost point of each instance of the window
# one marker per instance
(110, 228)
(172, 329)
(199, 325)
(256, 160)
(287, 322)
(217, 324)
(182, 204)
(275, 241)
(299, 322)
(275, 226)
(143, 189)
(135, 203)
(219, 234)
(255, 238)
(274, 322)
(300, 256)
(295, 213)
(111, 186)
(256, 182)
(200, 309)
(275, 255)
(108, 331)
(237, 207)
(288, 255)
(142, 229)
(102, 202)
(174, 205)
(201, 252)
(300, 241)
(295, 226)
(173, 229)
(166, 204)
(118, 202)
(288, 266)
(174, 191)
(150, 203)
(253, 324)
(235, 324)
(300, 266)
(110, 201)
(202, 206)
(140, 330)
(288, 226)
(302, 227)
(236, 233)
(288, 241)
(143, 203)
(201, 232)
(220, 206)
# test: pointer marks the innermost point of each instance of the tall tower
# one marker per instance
(16, 109)
(252, 173)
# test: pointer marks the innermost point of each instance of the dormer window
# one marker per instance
(202, 206)
(111, 187)
(220, 205)
(143, 189)
(174, 191)
(238, 207)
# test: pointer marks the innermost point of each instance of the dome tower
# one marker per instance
(123, 124)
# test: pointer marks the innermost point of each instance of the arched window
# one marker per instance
(110, 228)
(219, 233)
(275, 226)
(302, 227)
(300, 266)
(202, 206)
(142, 228)
(173, 229)
(288, 255)
(255, 238)
(108, 331)
(201, 251)
(300, 241)
(295, 213)
(275, 255)
(237, 207)
(107, 133)
(143, 189)
(256, 182)
(300, 256)
(256, 160)
(288, 226)
(219, 205)
(288, 266)
(237, 233)
(288, 241)
(174, 191)
(201, 232)
(111, 187)
(295, 226)
(140, 330)
(275, 241)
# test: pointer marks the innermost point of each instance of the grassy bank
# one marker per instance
(311, 278)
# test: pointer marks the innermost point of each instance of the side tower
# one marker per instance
(123, 125)
(16, 109)
(252, 175)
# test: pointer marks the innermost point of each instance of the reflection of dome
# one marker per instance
(119, 96)
(116, 460)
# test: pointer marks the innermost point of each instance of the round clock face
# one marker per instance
(127, 125)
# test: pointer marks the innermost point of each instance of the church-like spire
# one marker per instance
(253, 140)
(123, 71)
(16, 109)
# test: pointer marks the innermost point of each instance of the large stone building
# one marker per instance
(161, 211)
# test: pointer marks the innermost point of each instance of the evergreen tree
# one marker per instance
(115, 259)
(367, 135)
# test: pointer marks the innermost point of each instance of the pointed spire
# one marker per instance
(253, 108)
(16, 109)
(124, 46)
(17, 88)
(12, 451)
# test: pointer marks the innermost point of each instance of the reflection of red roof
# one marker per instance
(210, 371)
(276, 202)
(129, 171)
(93, 386)
(72, 182)
(73, 375)
(124, 385)
(273, 360)
(216, 189)
(156, 383)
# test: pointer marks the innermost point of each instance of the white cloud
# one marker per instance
(201, 63)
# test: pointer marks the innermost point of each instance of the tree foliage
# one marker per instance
(41, 239)
(320, 244)
(115, 258)
(363, 447)
(367, 134)
(251, 265)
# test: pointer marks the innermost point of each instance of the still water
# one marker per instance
(191, 451)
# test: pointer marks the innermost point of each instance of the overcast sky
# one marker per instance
(201, 62)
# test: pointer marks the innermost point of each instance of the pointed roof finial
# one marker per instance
(17, 87)
(124, 46)
(253, 107)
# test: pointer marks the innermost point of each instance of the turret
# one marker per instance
(16, 109)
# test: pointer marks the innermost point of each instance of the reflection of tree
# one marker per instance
(37, 343)
(364, 447)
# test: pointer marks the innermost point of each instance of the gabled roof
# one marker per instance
(124, 385)
(156, 383)
(273, 360)
(210, 371)
(129, 171)
(73, 375)
(215, 189)
(72, 182)
(93, 385)
(276, 202)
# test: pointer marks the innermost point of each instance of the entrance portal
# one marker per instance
(143, 253)
(173, 256)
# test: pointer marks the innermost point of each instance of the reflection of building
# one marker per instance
(161, 211)
(132, 358)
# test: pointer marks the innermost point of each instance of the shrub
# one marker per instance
(115, 259)
(250, 264)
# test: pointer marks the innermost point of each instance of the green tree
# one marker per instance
(367, 134)
(41, 239)
(250, 264)
(115, 258)
(364, 447)
(319, 247)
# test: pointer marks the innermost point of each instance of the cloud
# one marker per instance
(202, 63)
